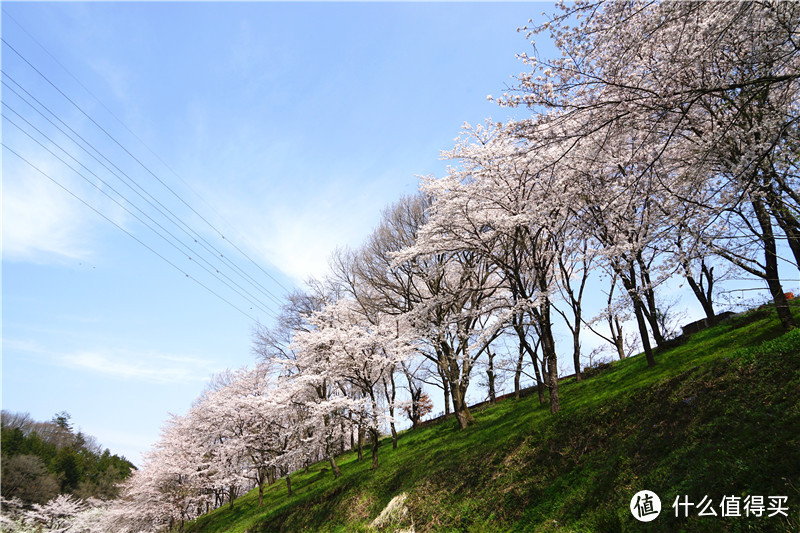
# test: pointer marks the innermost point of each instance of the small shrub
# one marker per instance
(595, 369)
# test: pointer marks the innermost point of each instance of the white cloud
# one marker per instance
(300, 242)
(129, 444)
(41, 222)
(297, 230)
(149, 367)
(118, 79)
(126, 364)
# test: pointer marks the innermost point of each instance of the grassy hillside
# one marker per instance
(718, 416)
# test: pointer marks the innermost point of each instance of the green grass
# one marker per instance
(718, 415)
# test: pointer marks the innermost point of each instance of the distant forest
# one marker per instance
(41, 460)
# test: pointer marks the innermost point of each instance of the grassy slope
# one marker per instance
(717, 416)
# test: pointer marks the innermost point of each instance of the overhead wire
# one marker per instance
(152, 152)
(171, 216)
(199, 238)
(188, 251)
(179, 269)
(130, 183)
(11, 121)
(145, 167)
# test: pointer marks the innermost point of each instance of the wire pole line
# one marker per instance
(82, 111)
(187, 251)
(152, 152)
(175, 219)
(261, 306)
(130, 183)
(131, 235)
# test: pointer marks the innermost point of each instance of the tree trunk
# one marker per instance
(415, 417)
(458, 379)
(649, 306)
(542, 316)
(390, 397)
(460, 406)
(374, 432)
(461, 409)
(574, 302)
(697, 288)
(518, 373)
(640, 320)
(491, 378)
(539, 379)
(416, 394)
(648, 350)
(525, 345)
(617, 337)
(331, 459)
(576, 351)
(375, 436)
(446, 388)
(288, 484)
(360, 442)
(334, 467)
(708, 308)
(555, 404)
(771, 267)
(787, 222)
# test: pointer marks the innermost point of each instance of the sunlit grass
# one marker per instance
(717, 415)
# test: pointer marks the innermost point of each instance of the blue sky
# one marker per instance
(287, 126)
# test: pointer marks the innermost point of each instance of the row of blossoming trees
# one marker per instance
(662, 145)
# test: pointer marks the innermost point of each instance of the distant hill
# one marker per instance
(43, 459)
(715, 422)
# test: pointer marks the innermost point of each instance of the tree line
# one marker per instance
(662, 145)
(43, 459)
(48, 467)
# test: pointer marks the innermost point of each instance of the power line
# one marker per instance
(135, 158)
(131, 235)
(44, 48)
(172, 217)
(196, 234)
(258, 304)
(175, 219)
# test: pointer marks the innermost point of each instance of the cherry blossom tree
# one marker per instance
(708, 91)
(395, 289)
(443, 297)
(354, 350)
(323, 400)
(503, 203)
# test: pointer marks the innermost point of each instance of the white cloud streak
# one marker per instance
(147, 367)
(128, 365)
(297, 230)
(41, 223)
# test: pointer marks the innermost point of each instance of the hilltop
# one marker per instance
(41, 460)
(717, 417)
